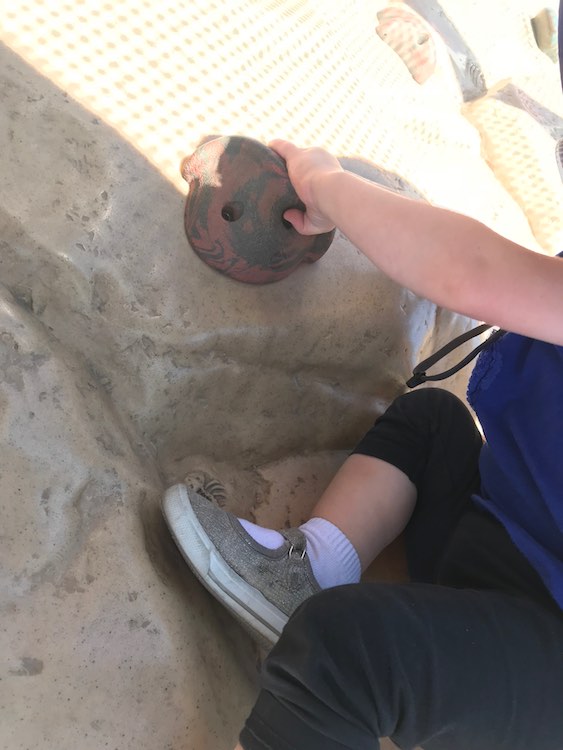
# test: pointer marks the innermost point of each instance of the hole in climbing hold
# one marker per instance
(232, 211)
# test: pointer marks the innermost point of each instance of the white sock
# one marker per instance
(332, 556)
(266, 537)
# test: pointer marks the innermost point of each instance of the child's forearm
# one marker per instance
(448, 258)
(433, 252)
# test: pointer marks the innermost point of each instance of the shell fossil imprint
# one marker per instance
(207, 486)
(409, 37)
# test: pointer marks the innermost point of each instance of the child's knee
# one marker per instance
(431, 399)
(334, 620)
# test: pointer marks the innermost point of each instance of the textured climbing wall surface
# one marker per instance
(126, 362)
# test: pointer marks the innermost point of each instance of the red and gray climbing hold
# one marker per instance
(239, 192)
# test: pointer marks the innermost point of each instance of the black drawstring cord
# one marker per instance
(419, 373)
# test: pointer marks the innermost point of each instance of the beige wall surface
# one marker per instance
(125, 362)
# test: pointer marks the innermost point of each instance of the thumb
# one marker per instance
(297, 219)
(305, 223)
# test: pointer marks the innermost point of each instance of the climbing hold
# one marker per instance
(464, 62)
(239, 192)
(544, 25)
(411, 38)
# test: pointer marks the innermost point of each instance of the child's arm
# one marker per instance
(453, 260)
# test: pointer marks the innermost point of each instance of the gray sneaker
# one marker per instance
(261, 587)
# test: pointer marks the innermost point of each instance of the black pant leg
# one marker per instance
(481, 555)
(427, 665)
(431, 436)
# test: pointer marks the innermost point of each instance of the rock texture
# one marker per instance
(125, 362)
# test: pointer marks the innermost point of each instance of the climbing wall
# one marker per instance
(126, 362)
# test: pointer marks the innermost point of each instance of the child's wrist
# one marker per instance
(324, 189)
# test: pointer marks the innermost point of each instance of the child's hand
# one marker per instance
(306, 166)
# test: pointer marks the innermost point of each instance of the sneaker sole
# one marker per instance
(245, 602)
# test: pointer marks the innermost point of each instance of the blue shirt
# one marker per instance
(516, 392)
